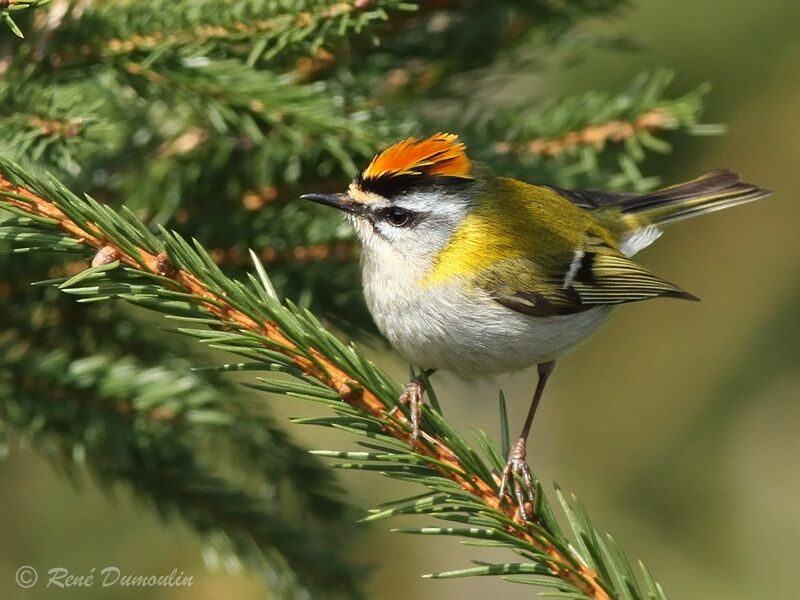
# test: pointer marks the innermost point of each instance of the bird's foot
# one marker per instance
(412, 395)
(517, 468)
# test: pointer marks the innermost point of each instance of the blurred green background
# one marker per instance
(676, 425)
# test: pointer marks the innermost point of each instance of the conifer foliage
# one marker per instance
(128, 128)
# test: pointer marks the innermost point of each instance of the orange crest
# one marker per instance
(439, 155)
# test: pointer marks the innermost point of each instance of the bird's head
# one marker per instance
(411, 198)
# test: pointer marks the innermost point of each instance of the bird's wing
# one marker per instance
(595, 274)
(538, 252)
(592, 199)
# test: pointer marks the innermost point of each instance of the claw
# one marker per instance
(412, 395)
(516, 468)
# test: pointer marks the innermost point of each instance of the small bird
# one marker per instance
(477, 274)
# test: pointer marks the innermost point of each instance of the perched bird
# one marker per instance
(478, 274)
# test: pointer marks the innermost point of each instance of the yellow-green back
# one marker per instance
(516, 220)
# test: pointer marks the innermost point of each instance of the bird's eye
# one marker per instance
(398, 217)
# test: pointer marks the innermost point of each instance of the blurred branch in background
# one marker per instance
(582, 139)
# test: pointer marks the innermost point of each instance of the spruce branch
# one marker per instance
(143, 418)
(340, 252)
(256, 30)
(189, 445)
(595, 119)
(42, 329)
(58, 124)
(136, 426)
(8, 6)
(169, 275)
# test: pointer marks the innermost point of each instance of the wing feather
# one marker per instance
(563, 258)
(602, 275)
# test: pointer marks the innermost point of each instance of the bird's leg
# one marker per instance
(517, 465)
(412, 395)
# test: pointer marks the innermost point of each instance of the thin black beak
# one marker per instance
(340, 201)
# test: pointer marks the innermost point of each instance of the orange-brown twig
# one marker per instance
(53, 127)
(138, 42)
(615, 131)
(321, 368)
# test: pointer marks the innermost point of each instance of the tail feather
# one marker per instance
(713, 191)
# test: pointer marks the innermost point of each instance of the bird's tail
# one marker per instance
(713, 191)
